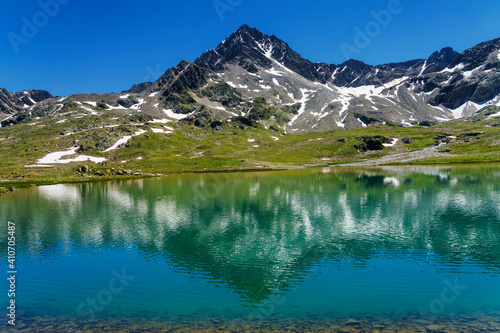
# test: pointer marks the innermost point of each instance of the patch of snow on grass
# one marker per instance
(153, 94)
(39, 166)
(124, 140)
(119, 107)
(161, 121)
(392, 144)
(441, 119)
(494, 115)
(56, 158)
(174, 115)
(136, 106)
(160, 130)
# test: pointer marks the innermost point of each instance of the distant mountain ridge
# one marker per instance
(14, 102)
(255, 78)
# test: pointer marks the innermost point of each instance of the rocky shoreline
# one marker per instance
(452, 323)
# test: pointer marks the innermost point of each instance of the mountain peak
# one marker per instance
(439, 60)
(477, 55)
(244, 28)
(250, 48)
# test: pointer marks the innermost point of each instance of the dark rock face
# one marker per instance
(127, 102)
(371, 143)
(477, 55)
(473, 76)
(177, 83)
(7, 102)
(440, 60)
(11, 103)
(138, 88)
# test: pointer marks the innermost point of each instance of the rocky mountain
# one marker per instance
(470, 82)
(11, 103)
(254, 79)
(138, 88)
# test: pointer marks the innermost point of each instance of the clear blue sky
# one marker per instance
(107, 46)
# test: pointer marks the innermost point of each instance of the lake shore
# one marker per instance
(429, 157)
(489, 322)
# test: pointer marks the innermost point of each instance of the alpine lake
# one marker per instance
(385, 249)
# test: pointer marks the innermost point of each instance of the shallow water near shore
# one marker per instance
(333, 249)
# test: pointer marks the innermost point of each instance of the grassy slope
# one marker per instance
(190, 150)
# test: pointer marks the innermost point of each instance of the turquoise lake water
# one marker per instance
(316, 243)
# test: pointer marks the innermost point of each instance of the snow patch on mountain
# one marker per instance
(58, 157)
(124, 140)
(362, 123)
(170, 113)
(273, 71)
(306, 96)
(456, 68)
(465, 109)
